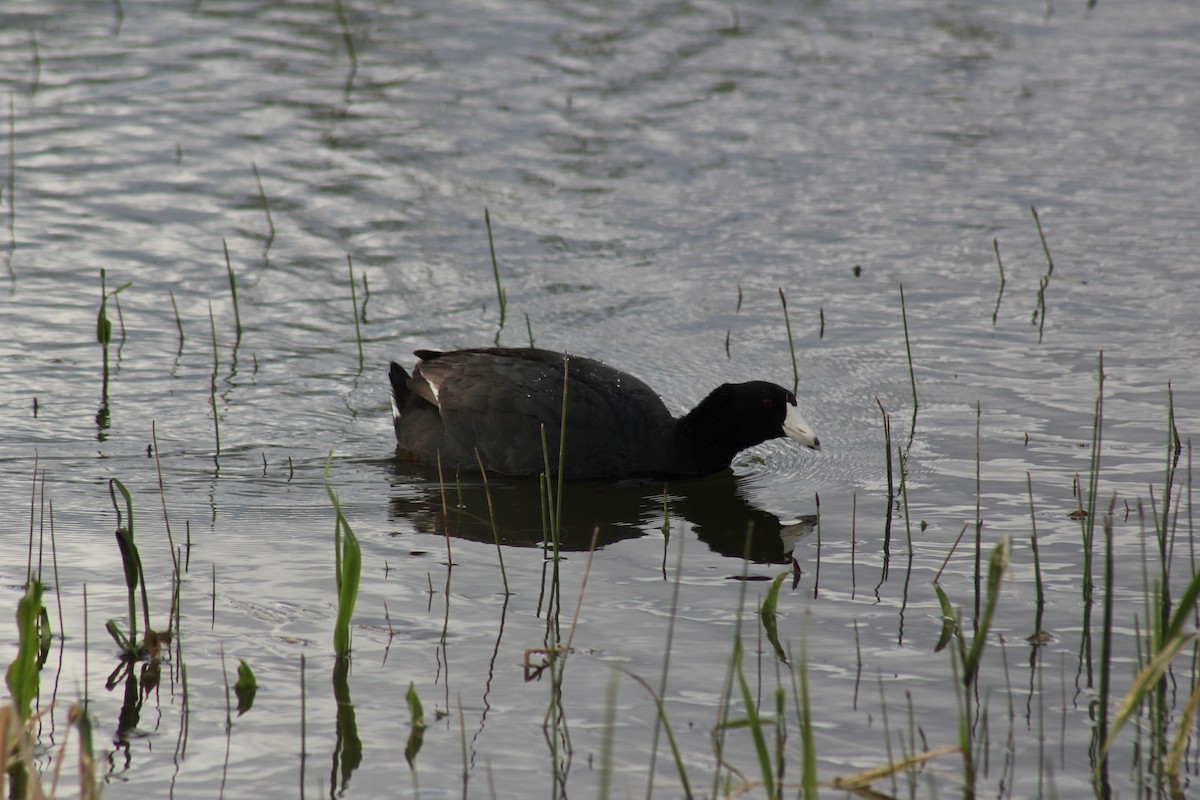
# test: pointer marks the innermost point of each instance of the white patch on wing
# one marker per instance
(794, 427)
(395, 408)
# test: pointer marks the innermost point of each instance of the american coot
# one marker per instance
(497, 400)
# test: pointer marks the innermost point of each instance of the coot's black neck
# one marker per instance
(706, 440)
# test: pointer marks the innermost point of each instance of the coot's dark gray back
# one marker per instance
(498, 399)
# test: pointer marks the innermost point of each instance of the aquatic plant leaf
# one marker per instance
(767, 613)
(416, 736)
(997, 565)
(245, 688)
(44, 636)
(949, 619)
(123, 642)
(22, 674)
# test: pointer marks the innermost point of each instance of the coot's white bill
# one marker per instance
(796, 428)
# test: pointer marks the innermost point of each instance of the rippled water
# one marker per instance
(655, 174)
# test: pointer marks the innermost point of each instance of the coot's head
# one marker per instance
(760, 410)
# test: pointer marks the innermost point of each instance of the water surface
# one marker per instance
(654, 174)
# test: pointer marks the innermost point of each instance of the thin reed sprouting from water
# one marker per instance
(1089, 523)
(1042, 236)
(1038, 633)
(858, 663)
(1106, 635)
(104, 333)
(1000, 294)
(161, 491)
(1039, 313)
(54, 564)
(178, 320)
(821, 329)
(303, 725)
(354, 306)
(791, 344)
(853, 543)
(500, 294)
(487, 492)
(817, 568)
(86, 650)
(529, 329)
(349, 42)
(10, 195)
(237, 316)
(212, 386)
(736, 310)
(902, 461)
(891, 488)
(978, 514)
(912, 377)
(262, 194)
(660, 719)
(32, 515)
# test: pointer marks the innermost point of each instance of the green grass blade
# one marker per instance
(347, 568)
(1143, 685)
(768, 614)
(997, 565)
(754, 722)
(1185, 609)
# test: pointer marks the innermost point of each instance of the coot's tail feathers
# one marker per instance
(399, 380)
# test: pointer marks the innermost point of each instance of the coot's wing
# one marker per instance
(499, 399)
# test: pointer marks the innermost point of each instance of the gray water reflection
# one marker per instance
(715, 508)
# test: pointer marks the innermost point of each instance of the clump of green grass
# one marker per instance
(969, 657)
(151, 641)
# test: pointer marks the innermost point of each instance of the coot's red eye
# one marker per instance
(768, 402)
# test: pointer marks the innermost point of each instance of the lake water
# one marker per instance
(655, 175)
